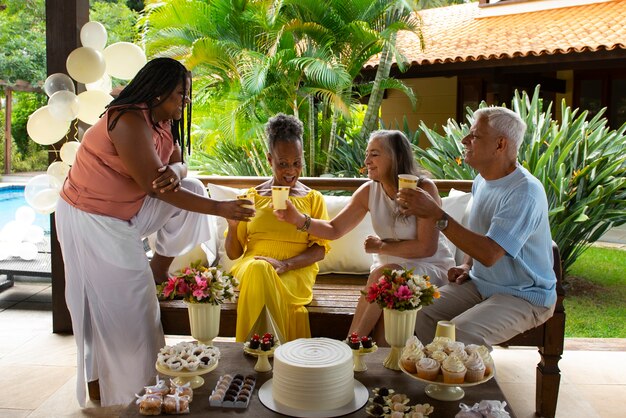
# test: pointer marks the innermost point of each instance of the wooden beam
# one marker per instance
(64, 18)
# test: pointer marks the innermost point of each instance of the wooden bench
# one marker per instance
(335, 297)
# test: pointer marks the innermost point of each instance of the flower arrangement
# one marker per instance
(401, 290)
(199, 284)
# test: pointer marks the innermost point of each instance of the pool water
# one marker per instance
(11, 198)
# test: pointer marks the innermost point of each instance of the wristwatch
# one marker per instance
(442, 223)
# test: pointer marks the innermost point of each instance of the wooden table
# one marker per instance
(234, 361)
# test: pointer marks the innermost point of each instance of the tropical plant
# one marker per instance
(581, 163)
(301, 57)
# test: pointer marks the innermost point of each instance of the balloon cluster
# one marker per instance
(92, 65)
(18, 238)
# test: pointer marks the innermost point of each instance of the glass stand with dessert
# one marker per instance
(360, 347)
(187, 361)
(262, 348)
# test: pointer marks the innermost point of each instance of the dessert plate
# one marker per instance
(360, 399)
(446, 391)
(184, 376)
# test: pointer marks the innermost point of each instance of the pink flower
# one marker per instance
(170, 286)
(201, 282)
(403, 293)
(199, 294)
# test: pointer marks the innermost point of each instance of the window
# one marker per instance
(594, 90)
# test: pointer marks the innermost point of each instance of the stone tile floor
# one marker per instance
(37, 377)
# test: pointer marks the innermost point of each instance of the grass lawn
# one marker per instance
(595, 295)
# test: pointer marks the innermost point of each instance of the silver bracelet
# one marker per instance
(306, 225)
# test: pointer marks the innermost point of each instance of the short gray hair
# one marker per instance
(504, 121)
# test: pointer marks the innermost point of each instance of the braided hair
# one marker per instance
(153, 84)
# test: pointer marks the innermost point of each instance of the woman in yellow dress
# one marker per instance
(278, 263)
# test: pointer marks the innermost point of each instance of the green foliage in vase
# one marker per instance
(580, 161)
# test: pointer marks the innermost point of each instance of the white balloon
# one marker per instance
(45, 202)
(85, 65)
(45, 129)
(34, 234)
(13, 232)
(92, 105)
(93, 35)
(63, 105)
(25, 215)
(58, 82)
(38, 185)
(27, 251)
(124, 60)
(104, 84)
(58, 170)
(68, 152)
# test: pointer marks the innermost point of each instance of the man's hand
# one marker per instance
(459, 274)
(418, 203)
(279, 266)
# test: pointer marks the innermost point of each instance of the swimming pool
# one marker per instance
(11, 198)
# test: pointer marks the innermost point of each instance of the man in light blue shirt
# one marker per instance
(506, 284)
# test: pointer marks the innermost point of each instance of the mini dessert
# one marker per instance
(160, 388)
(183, 390)
(454, 346)
(354, 343)
(232, 392)
(453, 370)
(255, 342)
(176, 404)
(440, 356)
(367, 342)
(427, 368)
(266, 344)
(483, 351)
(269, 336)
(411, 354)
(150, 404)
(475, 368)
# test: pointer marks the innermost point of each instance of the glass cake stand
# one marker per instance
(184, 376)
(446, 391)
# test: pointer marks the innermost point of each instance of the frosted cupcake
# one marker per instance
(427, 368)
(475, 368)
(453, 346)
(453, 370)
(438, 344)
(484, 354)
(412, 352)
(440, 356)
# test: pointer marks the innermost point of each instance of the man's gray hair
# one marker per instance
(504, 121)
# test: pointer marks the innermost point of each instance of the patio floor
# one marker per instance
(38, 367)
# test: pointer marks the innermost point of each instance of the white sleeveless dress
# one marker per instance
(390, 225)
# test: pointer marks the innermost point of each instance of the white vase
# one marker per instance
(204, 320)
(399, 326)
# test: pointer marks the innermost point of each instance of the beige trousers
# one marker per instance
(477, 320)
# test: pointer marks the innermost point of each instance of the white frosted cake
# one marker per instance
(313, 374)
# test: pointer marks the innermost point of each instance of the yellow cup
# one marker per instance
(247, 196)
(445, 329)
(280, 194)
(407, 181)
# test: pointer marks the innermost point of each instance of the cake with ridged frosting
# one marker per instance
(313, 374)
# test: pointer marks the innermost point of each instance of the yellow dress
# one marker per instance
(285, 295)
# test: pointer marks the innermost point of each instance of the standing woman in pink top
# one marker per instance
(129, 181)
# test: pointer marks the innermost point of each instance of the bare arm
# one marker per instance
(233, 247)
(340, 225)
(477, 246)
(132, 139)
(426, 243)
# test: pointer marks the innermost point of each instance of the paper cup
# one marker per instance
(247, 197)
(407, 181)
(445, 329)
(279, 195)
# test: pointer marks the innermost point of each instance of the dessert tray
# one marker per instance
(439, 390)
(360, 399)
(357, 357)
(262, 362)
(184, 376)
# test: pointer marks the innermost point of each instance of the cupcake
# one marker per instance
(454, 346)
(440, 356)
(475, 368)
(438, 344)
(255, 342)
(453, 370)
(366, 341)
(484, 354)
(427, 368)
(409, 359)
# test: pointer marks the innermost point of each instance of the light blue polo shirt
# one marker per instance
(513, 211)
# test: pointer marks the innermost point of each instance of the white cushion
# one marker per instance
(346, 255)
(457, 205)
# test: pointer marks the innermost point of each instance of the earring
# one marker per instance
(158, 98)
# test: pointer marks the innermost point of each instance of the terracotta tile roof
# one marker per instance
(459, 34)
